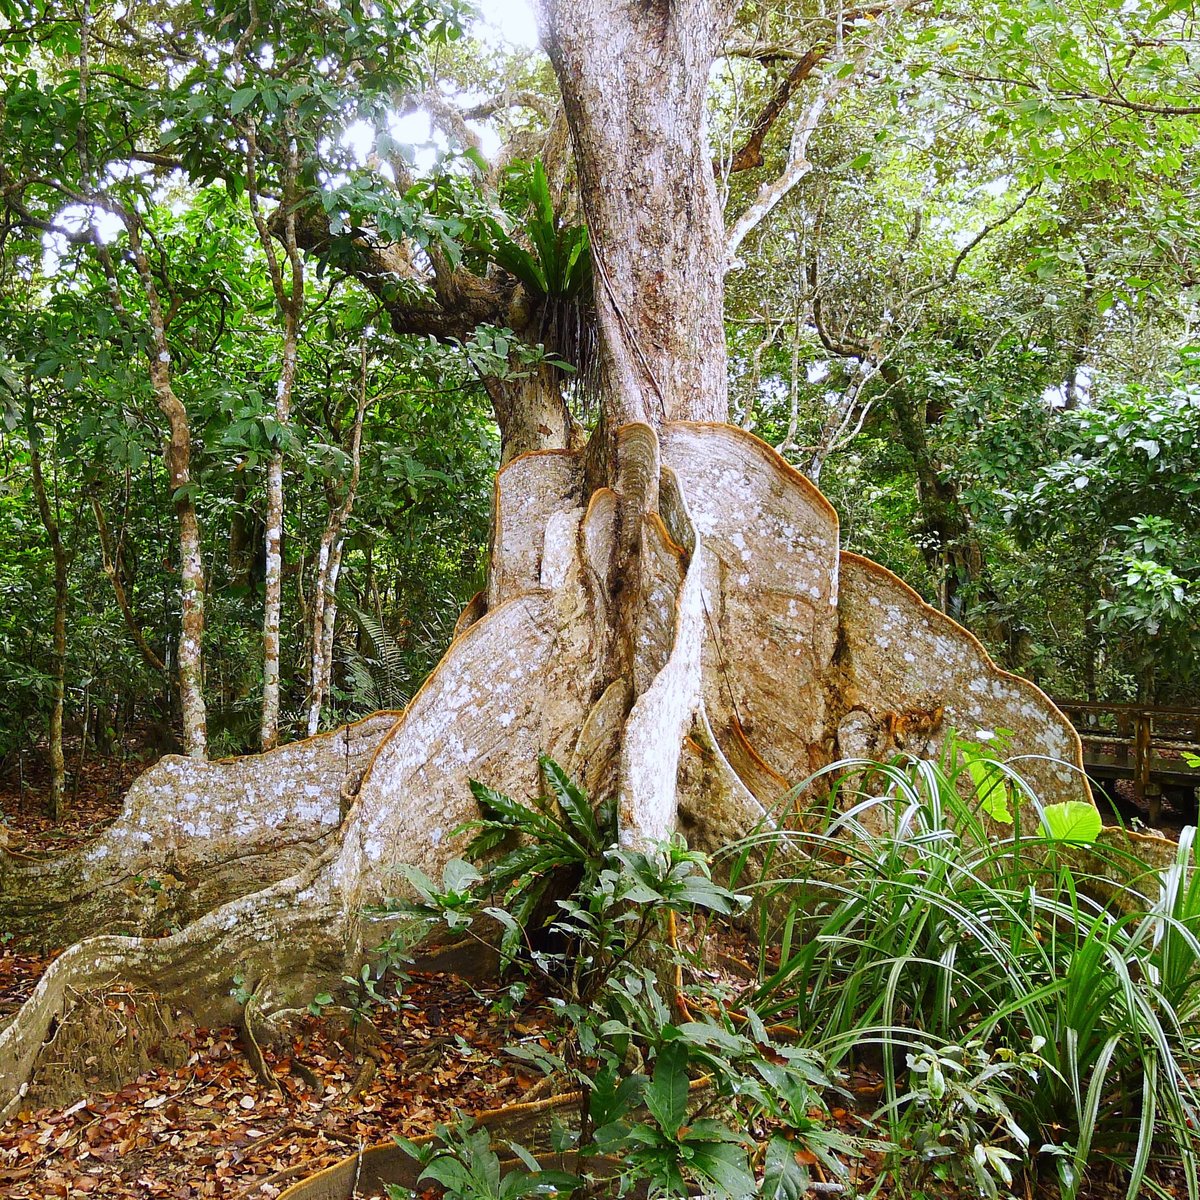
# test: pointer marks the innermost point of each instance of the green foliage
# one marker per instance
(560, 265)
(463, 1162)
(159, 144)
(599, 959)
(1121, 499)
(1003, 987)
(954, 1118)
(1030, 991)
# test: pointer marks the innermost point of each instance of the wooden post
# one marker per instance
(1141, 765)
(1121, 746)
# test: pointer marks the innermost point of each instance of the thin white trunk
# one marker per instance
(323, 630)
(318, 674)
(291, 305)
(273, 584)
(789, 441)
(329, 565)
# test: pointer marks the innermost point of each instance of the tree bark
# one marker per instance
(290, 302)
(177, 455)
(329, 565)
(532, 414)
(634, 77)
(56, 803)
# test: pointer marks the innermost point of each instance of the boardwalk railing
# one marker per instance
(1140, 743)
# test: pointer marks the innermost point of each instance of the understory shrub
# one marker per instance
(676, 1096)
(1026, 993)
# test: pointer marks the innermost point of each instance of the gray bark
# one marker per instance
(634, 76)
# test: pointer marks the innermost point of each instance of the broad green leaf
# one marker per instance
(572, 801)
(1072, 821)
(242, 99)
(667, 1095)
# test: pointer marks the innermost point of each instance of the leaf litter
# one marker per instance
(212, 1128)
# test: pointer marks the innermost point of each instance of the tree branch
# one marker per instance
(1112, 101)
(464, 301)
(842, 71)
(749, 155)
(963, 254)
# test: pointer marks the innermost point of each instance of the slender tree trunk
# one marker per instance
(1091, 647)
(56, 804)
(291, 305)
(950, 546)
(273, 583)
(177, 454)
(112, 568)
(329, 565)
(238, 558)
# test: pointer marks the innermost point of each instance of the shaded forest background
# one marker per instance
(963, 299)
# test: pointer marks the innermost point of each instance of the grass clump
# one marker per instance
(1030, 998)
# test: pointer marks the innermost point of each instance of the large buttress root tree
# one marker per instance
(667, 615)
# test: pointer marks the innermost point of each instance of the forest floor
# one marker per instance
(95, 793)
(212, 1128)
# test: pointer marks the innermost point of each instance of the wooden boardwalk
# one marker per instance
(1144, 745)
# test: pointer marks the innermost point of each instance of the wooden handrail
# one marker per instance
(1152, 709)
(1134, 744)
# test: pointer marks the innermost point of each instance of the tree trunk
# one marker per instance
(949, 544)
(177, 455)
(56, 803)
(291, 306)
(667, 614)
(112, 560)
(532, 413)
(273, 582)
(634, 78)
(239, 550)
(191, 635)
(329, 565)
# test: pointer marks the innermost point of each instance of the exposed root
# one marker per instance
(909, 675)
(191, 836)
(289, 935)
(250, 1044)
(365, 1074)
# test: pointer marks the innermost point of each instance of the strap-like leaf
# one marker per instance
(573, 802)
